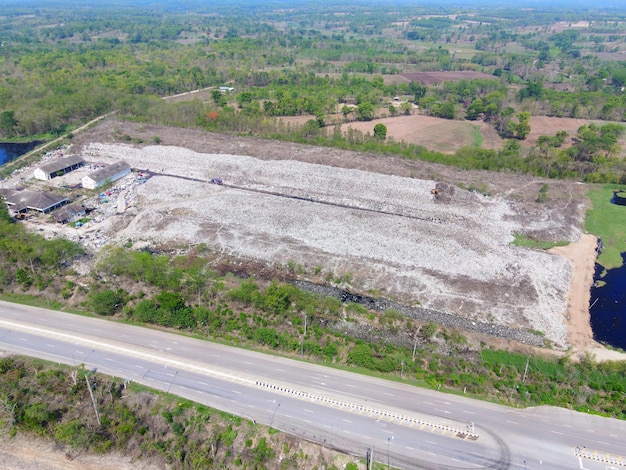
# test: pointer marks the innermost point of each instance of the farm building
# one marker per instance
(107, 174)
(22, 200)
(58, 167)
(69, 213)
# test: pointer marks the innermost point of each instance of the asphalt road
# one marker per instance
(404, 426)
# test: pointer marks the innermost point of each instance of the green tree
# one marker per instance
(523, 125)
(365, 111)
(106, 301)
(8, 123)
(380, 131)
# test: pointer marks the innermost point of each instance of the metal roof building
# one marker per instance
(21, 200)
(107, 174)
(58, 167)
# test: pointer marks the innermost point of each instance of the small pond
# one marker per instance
(10, 151)
(608, 306)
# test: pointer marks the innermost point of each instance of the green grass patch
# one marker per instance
(522, 240)
(42, 302)
(477, 137)
(608, 222)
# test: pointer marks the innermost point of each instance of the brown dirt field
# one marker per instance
(544, 125)
(23, 453)
(441, 135)
(431, 78)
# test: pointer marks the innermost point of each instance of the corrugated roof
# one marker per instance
(26, 199)
(59, 164)
(109, 172)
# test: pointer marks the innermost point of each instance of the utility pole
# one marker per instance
(93, 400)
(172, 382)
(274, 414)
(304, 337)
(526, 369)
(415, 345)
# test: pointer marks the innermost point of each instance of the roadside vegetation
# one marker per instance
(53, 401)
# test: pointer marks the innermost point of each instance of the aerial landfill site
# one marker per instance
(422, 237)
(414, 240)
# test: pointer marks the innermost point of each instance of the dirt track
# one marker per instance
(370, 216)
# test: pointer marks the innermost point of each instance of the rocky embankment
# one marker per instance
(418, 313)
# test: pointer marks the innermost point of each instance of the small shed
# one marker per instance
(69, 213)
(58, 167)
(109, 173)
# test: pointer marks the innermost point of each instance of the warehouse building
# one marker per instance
(23, 200)
(107, 174)
(58, 167)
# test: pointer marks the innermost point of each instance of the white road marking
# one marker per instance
(388, 394)
(203, 384)
(108, 359)
(431, 443)
(512, 422)
(236, 392)
(427, 403)
(346, 421)
(306, 411)
(469, 412)
(556, 432)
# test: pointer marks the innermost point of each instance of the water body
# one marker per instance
(608, 312)
(10, 151)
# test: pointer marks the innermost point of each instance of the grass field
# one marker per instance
(608, 222)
